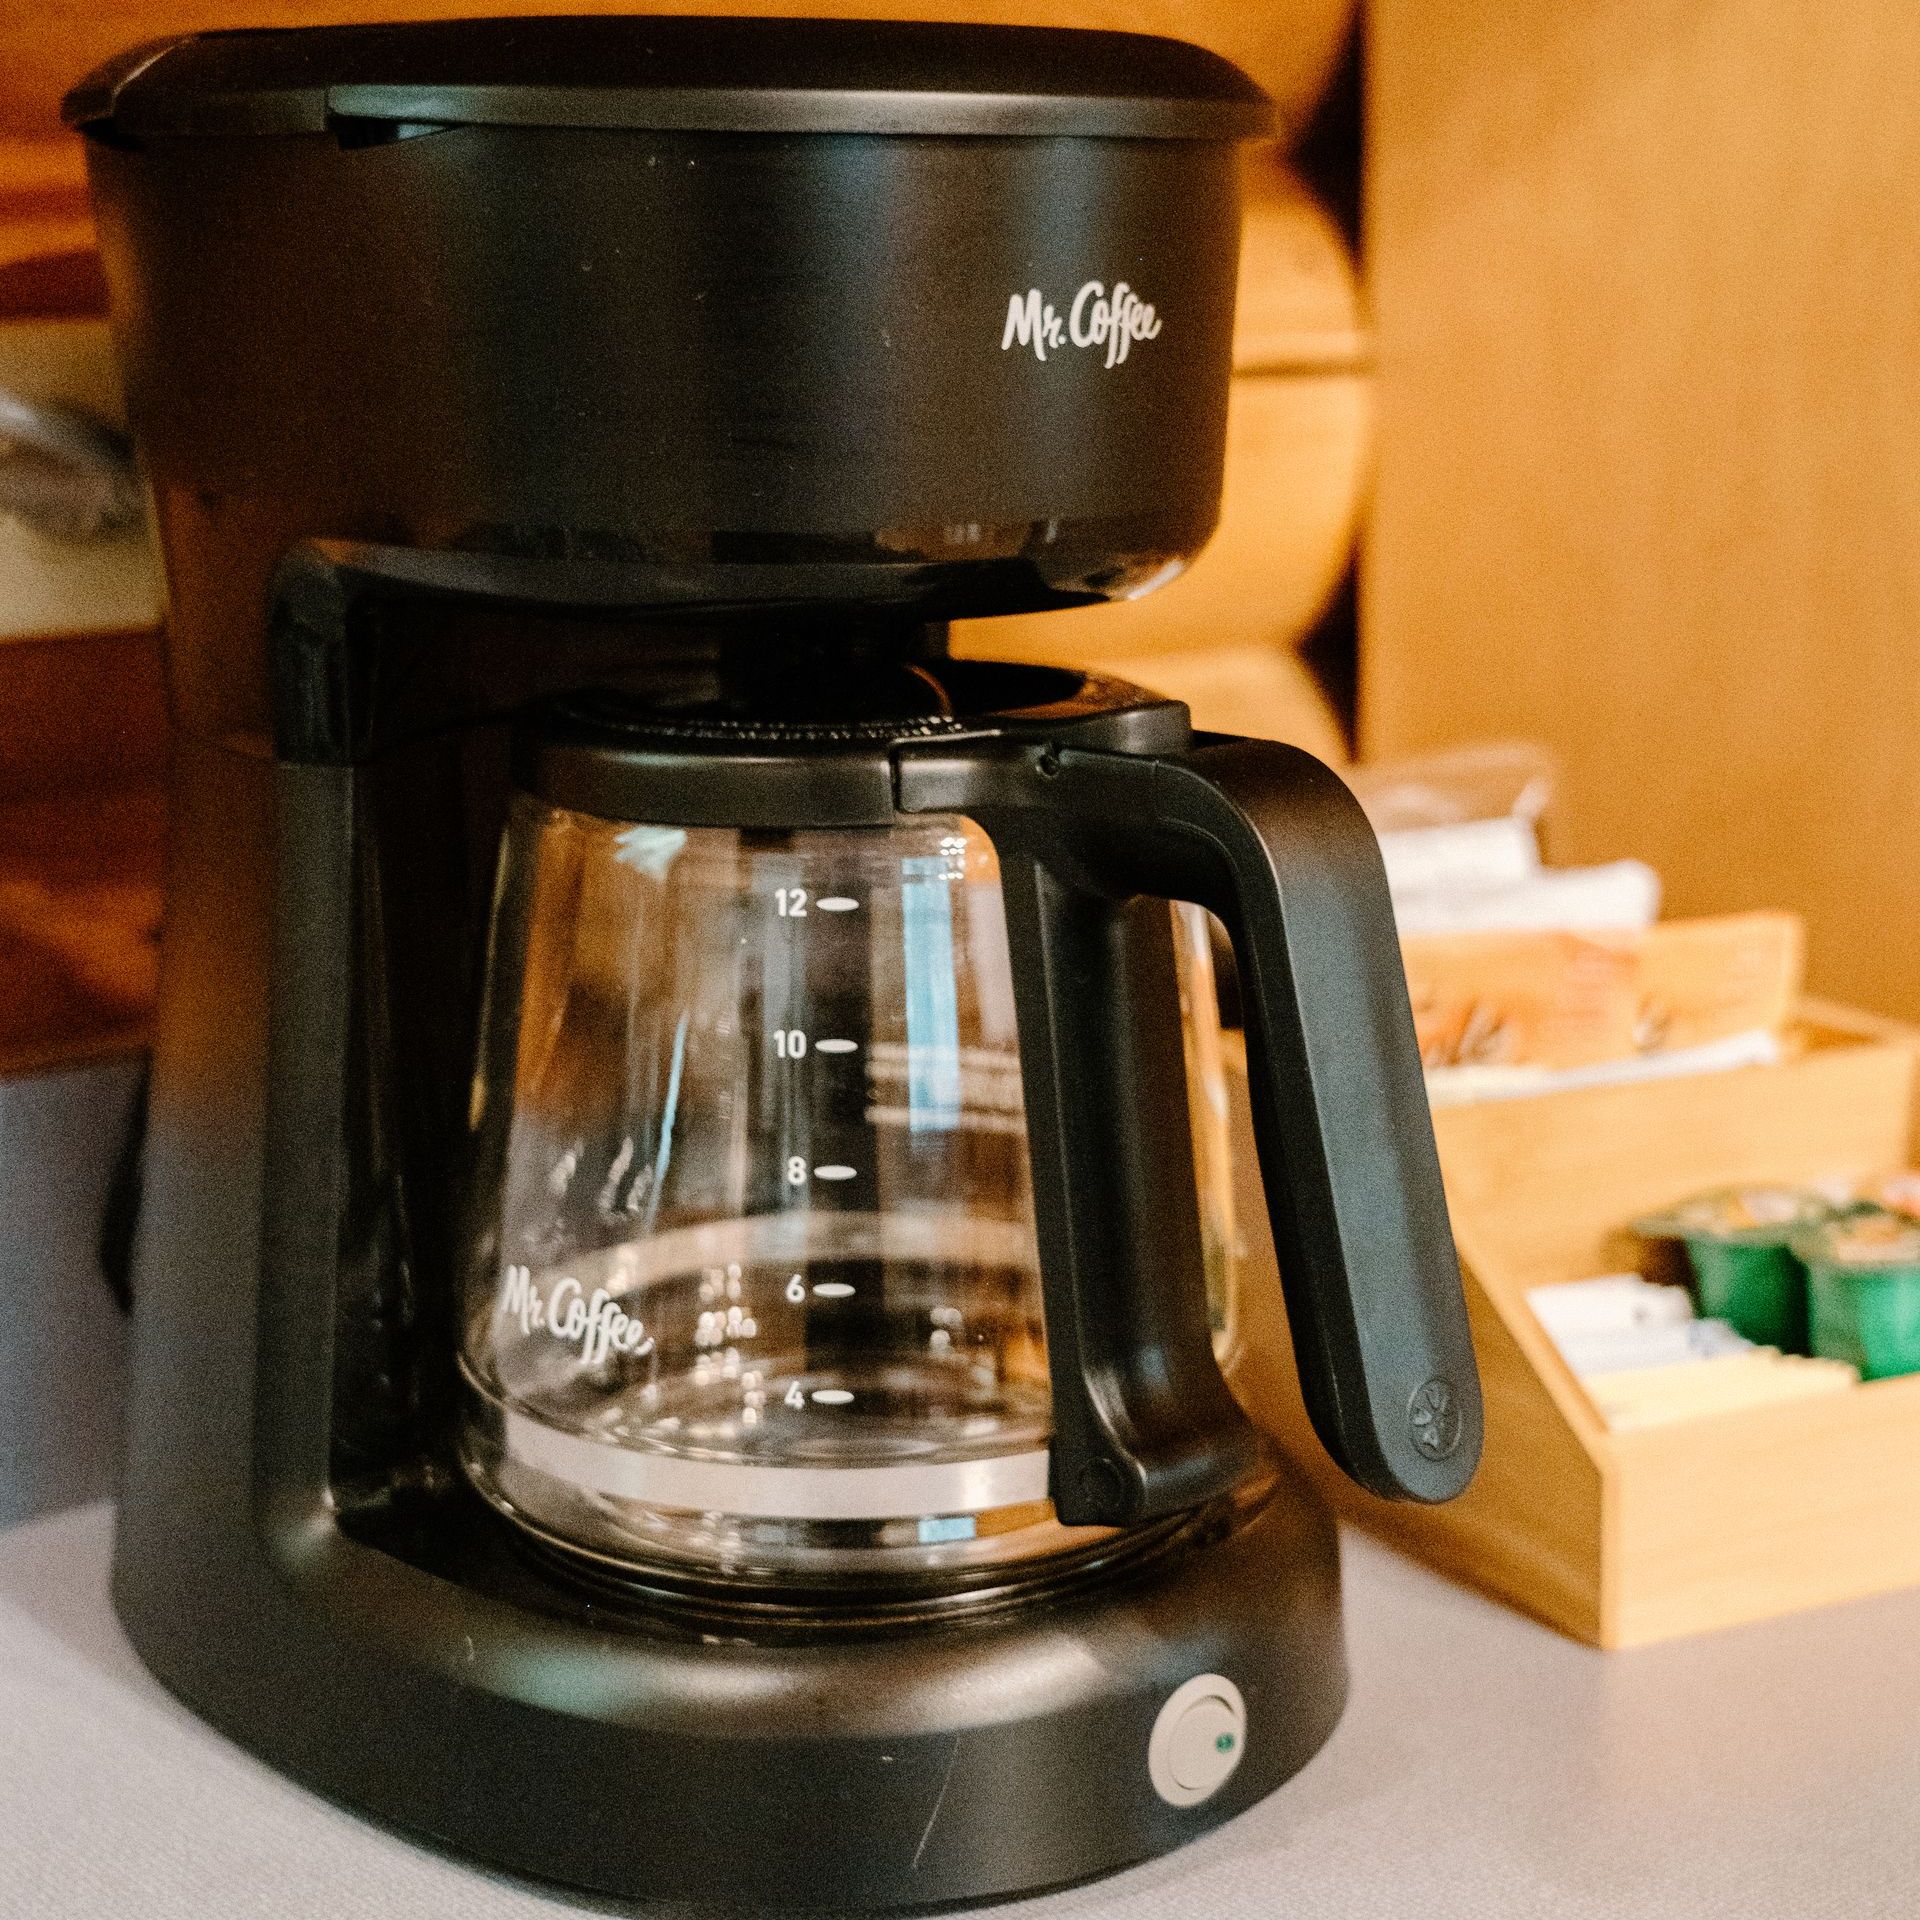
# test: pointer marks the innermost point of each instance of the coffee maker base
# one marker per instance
(540, 1734)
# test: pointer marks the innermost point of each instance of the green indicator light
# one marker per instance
(1224, 1744)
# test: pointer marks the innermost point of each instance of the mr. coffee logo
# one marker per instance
(595, 1323)
(1095, 318)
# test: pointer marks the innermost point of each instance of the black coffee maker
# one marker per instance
(679, 1275)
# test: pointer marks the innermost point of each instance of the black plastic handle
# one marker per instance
(1273, 843)
(1143, 1422)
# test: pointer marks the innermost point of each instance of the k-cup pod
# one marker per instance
(1863, 1290)
(1739, 1243)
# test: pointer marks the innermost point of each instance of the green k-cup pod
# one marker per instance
(1863, 1290)
(1739, 1243)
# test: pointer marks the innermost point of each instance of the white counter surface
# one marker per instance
(1486, 1768)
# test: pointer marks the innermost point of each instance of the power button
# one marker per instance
(1197, 1740)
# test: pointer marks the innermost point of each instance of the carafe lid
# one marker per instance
(708, 75)
(754, 764)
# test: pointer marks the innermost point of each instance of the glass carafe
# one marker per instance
(753, 1289)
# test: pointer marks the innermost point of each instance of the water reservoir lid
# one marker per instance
(708, 75)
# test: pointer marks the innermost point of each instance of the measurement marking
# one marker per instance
(833, 1290)
(833, 1173)
(835, 1046)
(830, 1396)
(837, 903)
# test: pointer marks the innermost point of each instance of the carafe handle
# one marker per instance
(1273, 843)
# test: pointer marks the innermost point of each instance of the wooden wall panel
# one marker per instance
(46, 228)
(1646, 283)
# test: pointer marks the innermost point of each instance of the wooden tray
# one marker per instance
(1624, 1539)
